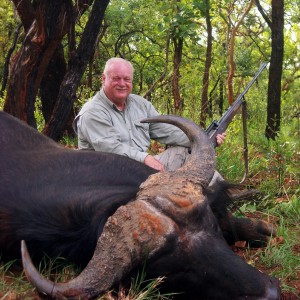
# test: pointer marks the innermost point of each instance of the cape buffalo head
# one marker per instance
(170, 229)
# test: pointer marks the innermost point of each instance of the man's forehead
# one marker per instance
(120, 73)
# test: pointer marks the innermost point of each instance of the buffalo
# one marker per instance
(112, 215)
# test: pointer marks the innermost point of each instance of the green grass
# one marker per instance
(281, 257)
(13, 281)
(14, 285)
(288, 227)
(142, 289)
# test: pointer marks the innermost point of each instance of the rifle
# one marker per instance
(217, 127)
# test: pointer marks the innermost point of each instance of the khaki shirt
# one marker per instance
(100, 126)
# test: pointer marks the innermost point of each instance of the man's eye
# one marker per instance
(119, 78)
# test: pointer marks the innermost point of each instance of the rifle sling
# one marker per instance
(245, 150)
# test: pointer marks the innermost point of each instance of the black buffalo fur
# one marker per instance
(46, 197)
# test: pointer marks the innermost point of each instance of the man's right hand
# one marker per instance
(154, 163)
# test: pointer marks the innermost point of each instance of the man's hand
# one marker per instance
(220, 138)
(154, 163)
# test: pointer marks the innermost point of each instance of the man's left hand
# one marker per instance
(220, 138)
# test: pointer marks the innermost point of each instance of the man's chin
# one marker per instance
(121, 96)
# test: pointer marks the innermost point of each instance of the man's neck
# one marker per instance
(120, 106)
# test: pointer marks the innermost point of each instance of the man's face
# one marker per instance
(117, 83)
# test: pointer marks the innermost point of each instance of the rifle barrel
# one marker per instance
(220, 126)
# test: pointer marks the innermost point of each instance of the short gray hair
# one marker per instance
(114, 60)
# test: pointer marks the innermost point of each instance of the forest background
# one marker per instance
(191, 58)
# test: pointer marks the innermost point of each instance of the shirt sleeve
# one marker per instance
(169, 134)
(98, 129)
(166, 133)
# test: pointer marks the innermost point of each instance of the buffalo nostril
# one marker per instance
(273, 291)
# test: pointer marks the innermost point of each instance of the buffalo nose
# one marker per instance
(273, 291)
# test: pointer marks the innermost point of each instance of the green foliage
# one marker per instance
(2, 100)
(69, 142)
(7, 28)
(139, 31)
(276, 163)
(39, 115)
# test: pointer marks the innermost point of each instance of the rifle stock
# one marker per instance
(217, 127)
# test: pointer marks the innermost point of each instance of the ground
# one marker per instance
(20, 290)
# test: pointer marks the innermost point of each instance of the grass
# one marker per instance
(13, 283)
(273, 170)
(141, 289)
(286, 254)
(281, 257)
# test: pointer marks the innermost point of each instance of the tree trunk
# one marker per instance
(67, 94)
(51, 82)
(205, 81)
(275, 71)
(221, 97)
(26, 12)
(178, 45)
(41, 41)
(45, 23)
(7, 60)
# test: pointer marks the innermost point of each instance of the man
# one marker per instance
(110, 122)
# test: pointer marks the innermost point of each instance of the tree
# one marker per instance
(67, 93)
(231, 52)
(275, 71)
(181, 54)
(45, 24)
(208, 58)
(43, 35)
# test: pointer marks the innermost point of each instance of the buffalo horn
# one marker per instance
(201, 164)
(135, 232)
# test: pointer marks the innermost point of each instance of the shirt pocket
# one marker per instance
(141, 134)
(142, 127)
